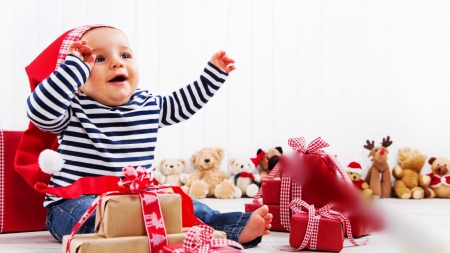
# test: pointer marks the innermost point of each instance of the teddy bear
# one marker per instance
(207, 180)
(171, 171)
(439, 185)
(243, 176)
(268, 161)
(354, 172)
(379, 175)
(409, 182)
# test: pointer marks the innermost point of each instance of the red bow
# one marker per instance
(437, 181)
(200, 239)
(247, 174)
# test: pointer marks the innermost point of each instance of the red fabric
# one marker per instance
(258, 158)
(273, 209)
(358, 184)
(247, 174)
(21, 208)
(330, 236)
(438, 181)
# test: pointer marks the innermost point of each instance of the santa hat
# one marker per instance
(354, 167)
(34, 141)
(258, 158)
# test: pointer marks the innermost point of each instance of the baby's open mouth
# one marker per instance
(119, 78)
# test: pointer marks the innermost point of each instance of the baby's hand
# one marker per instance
(84, 52)
(222, 61)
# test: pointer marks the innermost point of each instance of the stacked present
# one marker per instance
(136, 216)
(314, 199)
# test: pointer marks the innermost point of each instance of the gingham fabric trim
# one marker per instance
(2, 179)
(200, 239)
(74, 35)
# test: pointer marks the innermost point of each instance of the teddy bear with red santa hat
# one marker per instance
(354, 172)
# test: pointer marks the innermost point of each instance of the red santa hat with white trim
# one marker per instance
(34, 141)
(354, 167)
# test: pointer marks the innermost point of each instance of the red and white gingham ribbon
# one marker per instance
(314, 215)
(200, 239)
(136, 181)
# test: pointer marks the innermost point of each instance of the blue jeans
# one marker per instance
(62, 217)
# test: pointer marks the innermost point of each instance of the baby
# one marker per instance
(104, 123)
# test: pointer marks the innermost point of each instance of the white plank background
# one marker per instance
(347, 70)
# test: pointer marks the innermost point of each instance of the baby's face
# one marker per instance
(114, 76)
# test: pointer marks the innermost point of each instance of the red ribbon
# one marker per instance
(437, 180)
(200, 239)
(314, 215)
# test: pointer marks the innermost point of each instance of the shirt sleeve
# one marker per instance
(48, 107)
(182, 104)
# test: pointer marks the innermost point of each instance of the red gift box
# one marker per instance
(330, 235)
(271, 190)
(173, 248)
(273, 209)
(21, 207)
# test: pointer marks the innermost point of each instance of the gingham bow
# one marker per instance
(315, 147)
(312, 229)
(200, 239)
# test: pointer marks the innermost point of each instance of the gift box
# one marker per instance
(271, 190)
(21, 207)
(121, 215)
(178, 248)
(330, 234)
(273, 209)
(93, 243)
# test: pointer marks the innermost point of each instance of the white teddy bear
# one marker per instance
(171, 172)
(244, 176)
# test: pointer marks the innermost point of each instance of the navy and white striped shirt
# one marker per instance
(95, 139)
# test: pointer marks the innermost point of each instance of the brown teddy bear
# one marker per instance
(171, 172)
(379, 176)
(354, 172)
(268, 161)
(207, 180)
(409, 183)
(439, 185)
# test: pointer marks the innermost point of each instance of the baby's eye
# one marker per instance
(99, 59)
(125, 55)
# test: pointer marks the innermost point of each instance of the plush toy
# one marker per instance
(171, 172)
(439, 185)
(269, 161)
(207, 180)
(354, 172)
(243, 176)
(409, 183)
(379, 176)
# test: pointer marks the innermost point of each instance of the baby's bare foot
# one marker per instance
(258, 224)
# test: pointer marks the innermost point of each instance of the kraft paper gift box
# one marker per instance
(273, 209)
(92, 243)
(330, 234)
(121, 215)
(22, 206)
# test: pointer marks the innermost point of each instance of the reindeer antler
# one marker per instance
(386, 142)
(369, 145)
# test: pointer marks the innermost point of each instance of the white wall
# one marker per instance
(345, 70)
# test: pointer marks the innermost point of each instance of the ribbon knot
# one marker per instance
(315, 147)
(136, 180)
(200, 239)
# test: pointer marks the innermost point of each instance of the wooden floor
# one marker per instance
(415, 226)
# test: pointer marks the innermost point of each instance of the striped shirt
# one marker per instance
(95, 139)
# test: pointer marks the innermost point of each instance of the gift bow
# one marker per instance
(136, 180)
(315, 147)
(200, 239)
(314, 215)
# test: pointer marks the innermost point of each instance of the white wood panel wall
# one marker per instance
(347, 70)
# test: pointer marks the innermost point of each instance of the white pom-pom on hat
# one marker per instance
(50, 161)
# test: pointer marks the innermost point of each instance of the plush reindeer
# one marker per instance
(379, 176)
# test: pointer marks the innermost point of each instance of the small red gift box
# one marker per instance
(273, 209)
(271, 190)
(173, 248)
(330, 234)
(22, 206)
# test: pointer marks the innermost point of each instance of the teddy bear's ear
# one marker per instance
(259, 151)
(162, 162)
(431, 160)
(279, 149)
(193, 158)
(220, 152)
(183, 162)
(231, 161)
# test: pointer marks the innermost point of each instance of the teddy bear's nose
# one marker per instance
(206, 160)
(242, 166)
(171, 166)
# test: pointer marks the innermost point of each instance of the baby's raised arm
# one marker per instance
(82, 51)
